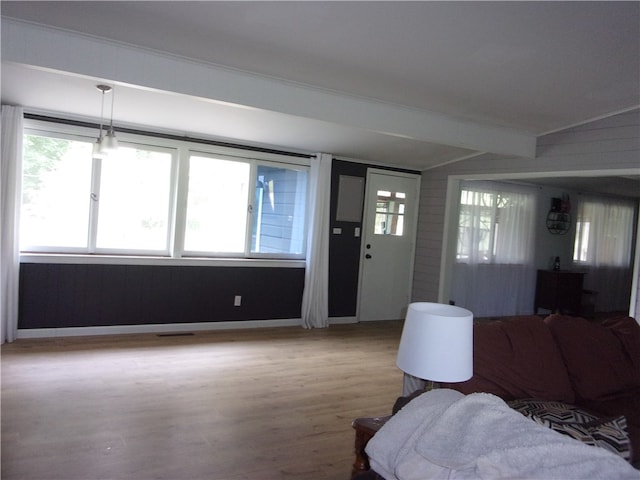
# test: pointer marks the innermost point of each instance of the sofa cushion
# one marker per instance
(517, 358)
(608, 433)
(627, 331)
(601, 359)
(627, 404)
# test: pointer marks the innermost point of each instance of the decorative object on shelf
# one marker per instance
(437, 343)
(559, 216)
(109, 142)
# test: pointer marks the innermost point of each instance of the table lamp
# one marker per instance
(436, 344)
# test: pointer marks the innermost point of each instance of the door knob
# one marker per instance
(367, 256)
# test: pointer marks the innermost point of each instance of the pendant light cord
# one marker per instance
(101, 115)
(113, 94)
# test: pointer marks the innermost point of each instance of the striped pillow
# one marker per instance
(608, 433)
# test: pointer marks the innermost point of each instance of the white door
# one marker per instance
(388, 244)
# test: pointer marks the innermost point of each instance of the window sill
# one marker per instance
(160, 261)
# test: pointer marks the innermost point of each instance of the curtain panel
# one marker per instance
(603, 249)
(494, 273)
(315, 297)
(10, 192)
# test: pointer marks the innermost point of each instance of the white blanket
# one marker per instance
(443, 434)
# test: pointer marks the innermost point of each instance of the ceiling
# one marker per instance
(522, 68)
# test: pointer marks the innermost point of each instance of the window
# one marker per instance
(73, 203)
(134, 200)
(56, 190)
(279, 213)
(159, 197)
(604, 232)
(495, 226)
(389, 213)
(217, 205)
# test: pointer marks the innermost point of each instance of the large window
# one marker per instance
(495, 226)
(159, 197)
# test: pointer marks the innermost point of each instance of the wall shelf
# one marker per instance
(558, 223)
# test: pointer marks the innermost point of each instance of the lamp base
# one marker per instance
(410, 384)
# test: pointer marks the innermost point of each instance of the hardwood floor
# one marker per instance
(224, 405)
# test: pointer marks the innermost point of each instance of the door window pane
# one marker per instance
(279, 211)
(134, 200)
(390, 213)
(216, 205)
(55, 193)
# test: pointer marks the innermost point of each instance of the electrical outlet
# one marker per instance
(237, 301)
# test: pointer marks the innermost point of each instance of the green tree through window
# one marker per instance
(41, 154)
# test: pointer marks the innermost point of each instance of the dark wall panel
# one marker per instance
(70, 295)
(344, 248)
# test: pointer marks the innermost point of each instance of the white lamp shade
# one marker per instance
(437, 343)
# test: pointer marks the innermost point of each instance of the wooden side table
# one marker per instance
(365, 429)
(559, 291)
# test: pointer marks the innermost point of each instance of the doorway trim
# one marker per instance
(451, 217)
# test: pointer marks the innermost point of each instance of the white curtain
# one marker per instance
(494, 273)
(494, 290)
(515, 232)
(603, 247)
(315, 298)
(10, 191)
(604, 231)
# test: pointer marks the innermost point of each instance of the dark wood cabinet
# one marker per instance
(559, 291)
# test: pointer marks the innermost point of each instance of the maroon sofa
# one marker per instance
(591, 365)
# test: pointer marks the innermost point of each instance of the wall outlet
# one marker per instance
(237, 301)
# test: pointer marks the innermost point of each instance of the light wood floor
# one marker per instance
(247, 404)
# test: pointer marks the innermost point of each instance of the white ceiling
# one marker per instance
(526, 67)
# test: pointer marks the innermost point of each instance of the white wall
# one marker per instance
(610, 146)
(549, 245)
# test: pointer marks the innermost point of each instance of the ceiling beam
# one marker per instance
(44, 47)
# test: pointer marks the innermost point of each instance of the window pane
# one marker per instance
(55, 192)
(495, 227)
(134, 200)
(279, 213)
(389, 213)
(216, 205)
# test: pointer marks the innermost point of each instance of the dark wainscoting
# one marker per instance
(344, 249)
(74, 295)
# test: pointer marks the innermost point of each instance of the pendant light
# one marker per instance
(107, 143)
(110, 142)
(98, 151)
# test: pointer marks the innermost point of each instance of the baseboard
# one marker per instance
(154, 328)
(168, 327)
